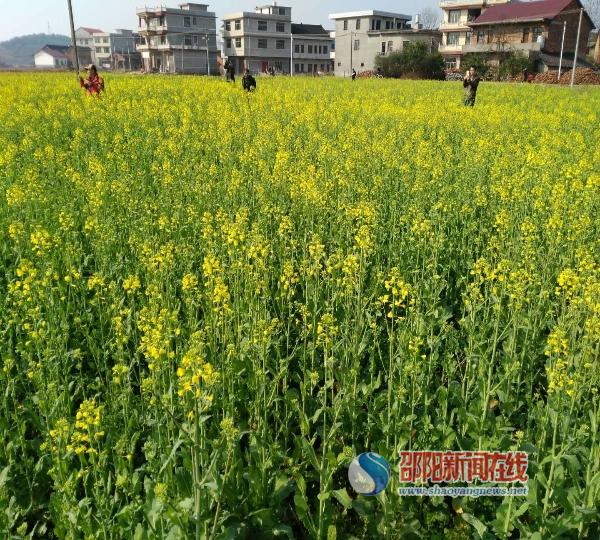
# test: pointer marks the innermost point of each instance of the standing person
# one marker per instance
(94, 84)
(248, 81)
(226, 69)
(231, 72)
(353, 74)
(470, 84)
(525, 75)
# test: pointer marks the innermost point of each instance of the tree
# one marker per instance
(430, 18)
(414, 61)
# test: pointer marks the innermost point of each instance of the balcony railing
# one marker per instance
(149, 9)
(496, 47)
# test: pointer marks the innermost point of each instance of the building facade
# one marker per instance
(84, 37)
(312, 50)
(61, 57)
(178, 40)
(259, 40)
(457, 35)
(534, 29)
(361, 36)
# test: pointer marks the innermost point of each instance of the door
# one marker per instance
(265, 67)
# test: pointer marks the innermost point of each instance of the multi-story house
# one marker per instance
(312, 49)
(360, 36)
(116, 49)
(259, 40)
(534, 29)
(180, 40)
(456, 32)
(84, 37)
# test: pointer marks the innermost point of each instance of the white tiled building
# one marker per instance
(456, 34)
(178, 40)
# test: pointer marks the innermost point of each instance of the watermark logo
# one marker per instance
(369, 473)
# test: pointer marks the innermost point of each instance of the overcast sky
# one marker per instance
(34, 16)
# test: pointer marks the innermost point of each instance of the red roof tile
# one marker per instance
(525, 11)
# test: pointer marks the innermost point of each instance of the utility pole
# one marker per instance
(76, 54)
(576, 48)
(207, 56)
(562, 46)
(351, 48)
(291, 53)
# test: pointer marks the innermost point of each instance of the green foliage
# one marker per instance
(513, 63)
(478, 61)
(414, 61)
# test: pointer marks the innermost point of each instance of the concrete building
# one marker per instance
(116, 50)
(312, 49)
(52, 57)
(182, 40)
(61, 56)
(84, 37)
(533, 29)
(260, 39)
(456, 32)
(360, 36)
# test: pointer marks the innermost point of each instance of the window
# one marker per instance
(467, 38)
(452, 38)
(454, 16)
(278, 66)
(525, 37)
(238, 25)
(262, 26)
(537, 32)
(161, 21)
(310, 49)
(195, 40)
(106, 50)
(450, 62)
(163, 40)
(388, 25)
(281, 11)
(296, 48)
(280, 27)
(345, 25)
(390, 46)
(302, 49)
(280, 44)
(310, 68)
(358, 24)
(325, 51)
(228, 26)
(356, 44)
(296, 68)
(228, 43)
(194, 21)
(187, 40)
(339, 64)
(187, 22)
(262, 44)
(238, 42)
(383, 47)
(378, 24)
(481, 36)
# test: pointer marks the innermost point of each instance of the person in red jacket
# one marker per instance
(94, 84)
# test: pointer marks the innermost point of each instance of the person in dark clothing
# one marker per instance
(248, 82)
(525, 75)
(353, 74)
(470, 84)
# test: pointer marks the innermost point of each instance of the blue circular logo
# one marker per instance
(369, 473)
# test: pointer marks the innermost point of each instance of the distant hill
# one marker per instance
(19, 51)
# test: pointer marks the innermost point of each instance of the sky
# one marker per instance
(35, 16)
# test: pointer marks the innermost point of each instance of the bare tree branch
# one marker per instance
(430, 18)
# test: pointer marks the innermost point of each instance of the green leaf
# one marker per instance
(474, 522)
(343, 498)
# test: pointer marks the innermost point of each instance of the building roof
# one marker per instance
(91, 30)
(513, 12)
(553, 60)
(311, 29)
(56, 51)
(368, 13)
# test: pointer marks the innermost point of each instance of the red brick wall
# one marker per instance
(556, 28)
